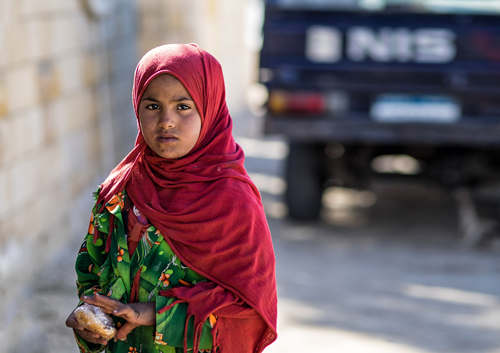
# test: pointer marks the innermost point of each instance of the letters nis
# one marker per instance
(326, 44)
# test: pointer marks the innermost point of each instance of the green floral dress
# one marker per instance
(103, 265)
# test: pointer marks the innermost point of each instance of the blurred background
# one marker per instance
(368, 126)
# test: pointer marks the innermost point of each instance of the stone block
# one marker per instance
(91, 69)
(55, 120)
(48, 215)
(5, 11)
(4, 108)
(65, 36)
(21, 134)
(30, 8)
(40, 37)
(4, 197)
(155, 25)
(94, 147)
(3, 44)
(29, 38)
(72, 153)
(67, 114)
(94, 37)
(30, 128)
(9, 141)
(126, 22)
(84, 112)
(16, 37)
(124, 59)
(82, 25)
(30, 222)
(22, 87)
(19, 183)
(63, 6)
(49, 80)
(4, 138)
(71, 73)
(108, 28)
(49, 166)
(29, 179)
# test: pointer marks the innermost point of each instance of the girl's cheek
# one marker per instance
(144, 120)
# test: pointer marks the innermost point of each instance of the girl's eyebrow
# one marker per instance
(150, 99)
(180, 99)
(176, 99)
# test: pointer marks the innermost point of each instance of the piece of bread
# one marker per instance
(92, 318)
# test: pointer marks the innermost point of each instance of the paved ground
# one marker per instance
(383, 272)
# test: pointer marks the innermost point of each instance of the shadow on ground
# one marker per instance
(394, 270)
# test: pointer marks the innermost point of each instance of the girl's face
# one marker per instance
(169, 120)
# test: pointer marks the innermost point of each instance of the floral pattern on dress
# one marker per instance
(104, 266)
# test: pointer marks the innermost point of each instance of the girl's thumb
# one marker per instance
(124, 331)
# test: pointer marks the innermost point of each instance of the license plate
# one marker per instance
(394, 108)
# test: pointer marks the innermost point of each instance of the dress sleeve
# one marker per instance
(92, 258)
(89, 266)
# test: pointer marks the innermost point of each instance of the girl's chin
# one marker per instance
(167, 139)
(169, 150)
(169, 154)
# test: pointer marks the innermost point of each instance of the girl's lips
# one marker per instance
(166, 138)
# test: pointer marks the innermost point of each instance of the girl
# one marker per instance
(178, 249)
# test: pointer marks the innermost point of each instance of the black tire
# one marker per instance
(303, 173)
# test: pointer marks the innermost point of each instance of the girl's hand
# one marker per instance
(136, 314)
(87, 335)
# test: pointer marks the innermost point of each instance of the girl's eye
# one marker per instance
(182, 106)
(152, 106)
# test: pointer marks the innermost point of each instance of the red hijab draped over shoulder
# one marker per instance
(206, 206)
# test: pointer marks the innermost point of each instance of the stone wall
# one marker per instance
(65, 119)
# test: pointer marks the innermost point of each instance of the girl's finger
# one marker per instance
(125, 330)
(72, 322)
(123, 311)
(102, 301)
(91, 336)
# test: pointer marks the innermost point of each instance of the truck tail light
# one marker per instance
(305, 103)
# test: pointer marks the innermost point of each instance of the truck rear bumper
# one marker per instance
(476, 131)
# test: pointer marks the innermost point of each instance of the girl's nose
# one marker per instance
(167, 120)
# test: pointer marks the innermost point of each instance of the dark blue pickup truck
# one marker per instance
(356, 84)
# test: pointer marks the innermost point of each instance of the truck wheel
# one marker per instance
(303, 173)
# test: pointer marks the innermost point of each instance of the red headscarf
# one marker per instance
(204, 203)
